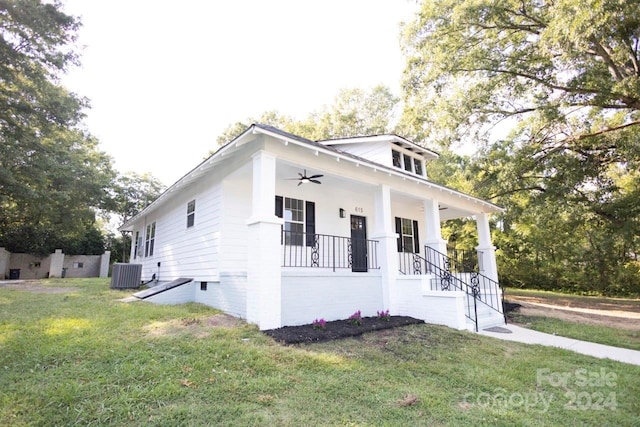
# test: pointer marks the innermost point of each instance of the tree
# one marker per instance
(566, 77)
(53, 177)
(132, 192)
(572, 66)
(354, 112)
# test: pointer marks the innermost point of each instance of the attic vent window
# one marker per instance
(396, 158)
(417, 166)
(407, 162)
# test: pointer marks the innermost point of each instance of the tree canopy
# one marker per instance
(53, 177)
(353, 112)
(564, 77)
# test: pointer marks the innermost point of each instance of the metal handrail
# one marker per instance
(412, 263)
(313, 250)
(484, 289)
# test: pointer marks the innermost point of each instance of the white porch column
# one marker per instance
(432, 221)
(264, 278)
(388, 250)
(486, 251)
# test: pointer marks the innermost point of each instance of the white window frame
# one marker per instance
(150, 239)
(293, 237)
(191, 213)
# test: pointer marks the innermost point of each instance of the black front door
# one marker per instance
(358, 243)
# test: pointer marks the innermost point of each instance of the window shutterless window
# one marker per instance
(417, 166)
(138, 243)
(191, 213)
(395, 155)
(407, 162)
(150, 239)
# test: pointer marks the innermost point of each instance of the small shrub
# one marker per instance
(319, 324)
(356, 318)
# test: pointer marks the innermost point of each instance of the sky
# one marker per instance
(166, 78)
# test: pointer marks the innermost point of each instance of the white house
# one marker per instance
(280, 230)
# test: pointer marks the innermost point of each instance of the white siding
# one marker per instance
(181, 251)
(236, 205)
(379, 152)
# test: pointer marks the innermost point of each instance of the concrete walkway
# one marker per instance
(528, 336)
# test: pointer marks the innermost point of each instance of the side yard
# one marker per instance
(72, 353)
(609, 321)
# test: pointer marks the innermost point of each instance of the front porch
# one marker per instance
(342, 246)
(318, 281)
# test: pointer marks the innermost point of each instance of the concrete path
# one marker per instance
(528, 336)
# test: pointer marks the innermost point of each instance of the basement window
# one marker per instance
(203, 286)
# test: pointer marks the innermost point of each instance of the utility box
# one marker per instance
(126, 276)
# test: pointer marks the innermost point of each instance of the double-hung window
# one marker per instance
(150, 239)
(138, 244)
(299, 220)
(191, 213)
(407, 230)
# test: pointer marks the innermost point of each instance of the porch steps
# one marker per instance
(487, 316)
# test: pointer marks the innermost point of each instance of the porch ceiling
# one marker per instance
(286, 170)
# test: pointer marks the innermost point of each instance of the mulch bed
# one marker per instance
(337, 329)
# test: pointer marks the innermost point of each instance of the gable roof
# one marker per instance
(317, 146)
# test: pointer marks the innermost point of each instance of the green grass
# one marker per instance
(84, 358)
(594, 333)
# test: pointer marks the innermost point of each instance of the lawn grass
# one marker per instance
(594, 333)
(579, 300)
(82, 357)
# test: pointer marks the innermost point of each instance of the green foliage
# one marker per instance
(53, 177)
(354, 112)
(566, 77)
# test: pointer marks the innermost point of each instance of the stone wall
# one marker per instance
(27, 266)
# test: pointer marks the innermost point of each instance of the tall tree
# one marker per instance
(52, 175)
(566, 76)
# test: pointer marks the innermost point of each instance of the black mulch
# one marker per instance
(337, 329)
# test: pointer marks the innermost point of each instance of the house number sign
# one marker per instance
(358, 209)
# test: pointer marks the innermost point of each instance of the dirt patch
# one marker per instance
(197, 327)
(625, 315)
(337, 329)
(35, 287)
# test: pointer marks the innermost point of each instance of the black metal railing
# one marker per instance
(411, 263)
(451, 276)
(463, 260)
(326, 251)
(482, 289)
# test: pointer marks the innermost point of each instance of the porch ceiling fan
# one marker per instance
(304, 179)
